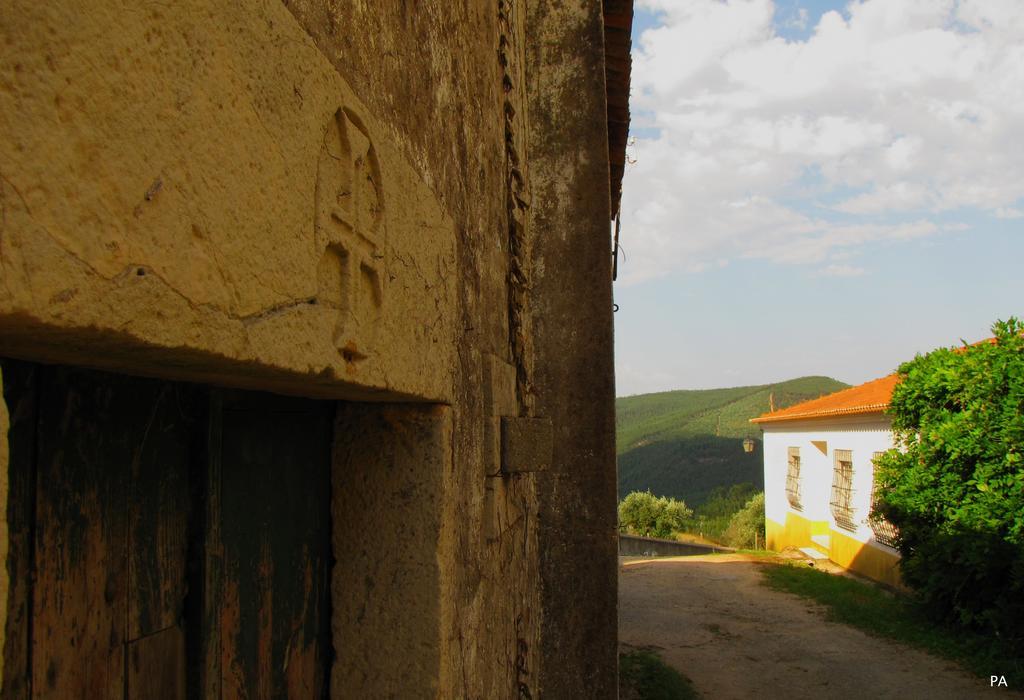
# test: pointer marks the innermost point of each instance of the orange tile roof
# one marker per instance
(868, 398)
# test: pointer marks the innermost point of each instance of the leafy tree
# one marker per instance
(645, 514)
(727, 500)
(714, 515)
(637, 512)
(672, 518)
(954, 486)
(746, 528)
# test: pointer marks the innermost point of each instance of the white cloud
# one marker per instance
(841, 271)
(803, 151)
(899, 196)
(800, 20)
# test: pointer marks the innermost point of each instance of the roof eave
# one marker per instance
(618, 27)
(875, 409)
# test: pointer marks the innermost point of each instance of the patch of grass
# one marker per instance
(766, 553)
(644, 676)
(895, 616)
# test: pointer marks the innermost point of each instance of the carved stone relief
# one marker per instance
(351, 232)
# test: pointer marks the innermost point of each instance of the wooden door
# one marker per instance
(112, 465)
(275, 525)
(164, 543)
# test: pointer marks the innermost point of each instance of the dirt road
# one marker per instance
(711, 618)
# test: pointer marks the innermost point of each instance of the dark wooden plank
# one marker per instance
(19, 393)
(156, 666)
(276, 537)
(79, 602)
(204, 639)
(158, 507)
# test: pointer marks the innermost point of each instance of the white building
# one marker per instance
(819, 478)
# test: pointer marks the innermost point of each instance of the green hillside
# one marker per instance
(685, 444)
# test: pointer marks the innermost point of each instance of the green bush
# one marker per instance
(727, 500)
(954, 486)
(746, 527)
(645, 514)
(712, 518)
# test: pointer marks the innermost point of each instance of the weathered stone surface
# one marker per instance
(377, 202)
(390, 463)
(500, 399)
(433, 74)
(574, 376)
(526, 445)
(499, 387)
(175, 186)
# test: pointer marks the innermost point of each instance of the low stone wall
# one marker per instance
(633, 546)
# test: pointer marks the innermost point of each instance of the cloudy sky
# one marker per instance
(818, 187)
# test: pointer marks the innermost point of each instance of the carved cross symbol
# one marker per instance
(350, 226)
(360, 257)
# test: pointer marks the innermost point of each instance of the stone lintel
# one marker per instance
(224, 206)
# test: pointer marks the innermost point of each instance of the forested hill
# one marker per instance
(686, 443)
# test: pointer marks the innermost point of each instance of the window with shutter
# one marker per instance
(793, 479)
(842, 490)
(885, 532)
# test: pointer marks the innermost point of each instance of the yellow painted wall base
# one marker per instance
(795, 533)
(773, 533)
(873, 562)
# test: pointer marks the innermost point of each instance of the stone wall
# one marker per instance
(572, 318)
(633, 546)
(395, 203)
